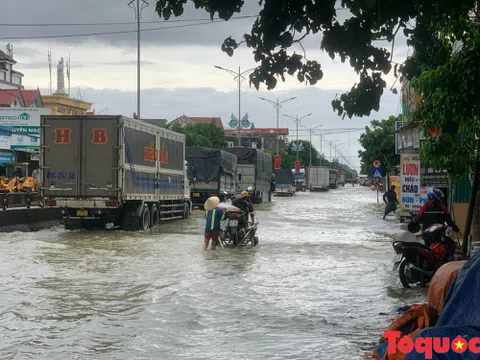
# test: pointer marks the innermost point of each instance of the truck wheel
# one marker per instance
(145, 218)
(155, 217)
(186, 211)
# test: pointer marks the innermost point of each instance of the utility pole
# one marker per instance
(238, 77)
(278, 105)
(138, 14)
(311, 130)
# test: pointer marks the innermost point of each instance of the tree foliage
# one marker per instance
(446, 75)
(378, 142)
(201, 135)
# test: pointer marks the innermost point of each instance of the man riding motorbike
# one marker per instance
(244, 199)
(434, 212)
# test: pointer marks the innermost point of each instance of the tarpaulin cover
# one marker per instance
(441, 283)
(209, 163)
(460, 315)
(261, 160)
(284, 177)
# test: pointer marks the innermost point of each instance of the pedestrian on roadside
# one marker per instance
(214, 215)
(390, 200)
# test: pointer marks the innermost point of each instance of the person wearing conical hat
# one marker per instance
(214, 215)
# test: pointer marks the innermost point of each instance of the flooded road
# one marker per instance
(312, 289)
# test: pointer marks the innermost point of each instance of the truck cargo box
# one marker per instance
(318, 178)
(109, 162)
(210, 172)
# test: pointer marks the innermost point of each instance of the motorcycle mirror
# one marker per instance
(413, 227)
(250, 188)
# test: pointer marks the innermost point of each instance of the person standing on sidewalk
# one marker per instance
(390, 200)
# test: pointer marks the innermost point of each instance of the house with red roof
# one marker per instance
(184, 120)
(17, 98)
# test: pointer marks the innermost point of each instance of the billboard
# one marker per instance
(25, 121)
(412, 195)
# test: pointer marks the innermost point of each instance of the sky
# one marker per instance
(177, 66)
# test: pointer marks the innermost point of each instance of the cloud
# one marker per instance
(172, 103)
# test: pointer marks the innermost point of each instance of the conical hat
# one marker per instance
(211, 203)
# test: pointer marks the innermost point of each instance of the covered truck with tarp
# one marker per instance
(284, 182)
(255, 169)
(210, 172)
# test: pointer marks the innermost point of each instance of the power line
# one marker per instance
(123, 23)
(105, 33)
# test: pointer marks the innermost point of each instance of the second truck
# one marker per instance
(113, 172)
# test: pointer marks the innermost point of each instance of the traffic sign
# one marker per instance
(377, 173)
(377, 164)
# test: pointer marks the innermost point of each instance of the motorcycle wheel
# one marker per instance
(405, 279)
(234, 237)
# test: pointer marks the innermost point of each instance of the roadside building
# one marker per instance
(259, 138)
(185, 120)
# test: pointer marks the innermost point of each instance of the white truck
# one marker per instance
(112, 171)
(318, 178)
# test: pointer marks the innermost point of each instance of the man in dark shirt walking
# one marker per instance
(390, 199)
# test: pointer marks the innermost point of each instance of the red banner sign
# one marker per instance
(277, 162)
(297, 166)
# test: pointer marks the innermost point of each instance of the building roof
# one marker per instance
(30, 96)
(17, 72)
(198, 120)
(257, 131)
(8, 96)
(5, 57)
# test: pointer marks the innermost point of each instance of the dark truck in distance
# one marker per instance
(112, 171)
(210, 172)
(284, 182)
(255, 169)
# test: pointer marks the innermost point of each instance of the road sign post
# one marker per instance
(377, 173)
(277, 162)
(377, 164)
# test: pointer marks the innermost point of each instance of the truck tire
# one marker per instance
(186, 211)
(155, 216)
(145, 218)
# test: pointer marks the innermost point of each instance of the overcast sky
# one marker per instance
(178, 75)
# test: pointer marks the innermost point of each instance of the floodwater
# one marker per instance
(312, 289)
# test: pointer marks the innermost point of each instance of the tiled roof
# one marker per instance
(198, 119)
(7, 96)
(4, 56)
(29, 96)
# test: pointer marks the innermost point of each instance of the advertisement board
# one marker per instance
(24, 121)
(412, 196)
(395, 181)
(5, 139)
(19, 142)
(7, 156)
(432, 177)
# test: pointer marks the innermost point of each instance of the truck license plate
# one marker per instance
(196, 194)
(234, 223)
(82, 212)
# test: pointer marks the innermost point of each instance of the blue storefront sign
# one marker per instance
(7, 156)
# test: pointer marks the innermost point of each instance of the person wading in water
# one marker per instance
(390, 199)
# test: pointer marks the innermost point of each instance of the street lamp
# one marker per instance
(138, 14)
(297, 121)
(311, 131)
(278, 105)
(238, 77)
(331, 143)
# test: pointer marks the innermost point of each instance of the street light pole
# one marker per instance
(238, 76)
(297, 121)
(310, 130)
(278, 105)
(138, 14)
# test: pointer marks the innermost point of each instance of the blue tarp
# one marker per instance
(460, 315)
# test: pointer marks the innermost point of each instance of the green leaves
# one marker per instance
(202, 135)
(379, 143)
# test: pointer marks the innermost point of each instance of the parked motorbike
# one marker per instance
(417, 262)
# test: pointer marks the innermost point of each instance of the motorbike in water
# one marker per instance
(237, 230)
(417, 262)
